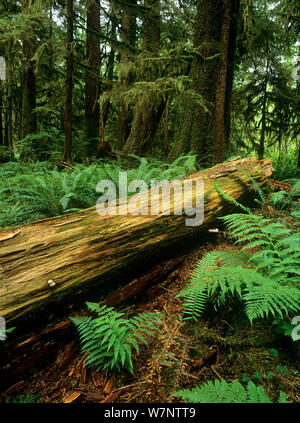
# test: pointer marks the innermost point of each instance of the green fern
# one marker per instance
(282, 200)
(36, 190)
(265, 281)
(27, 399)
(261, 194)
(110, 337)
(223, 392)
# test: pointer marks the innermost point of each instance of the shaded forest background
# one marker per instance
(151, 78)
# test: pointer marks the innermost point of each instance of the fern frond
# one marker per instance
(109, 338)
(223, 392)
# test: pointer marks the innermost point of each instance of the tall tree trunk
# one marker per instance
(126, 70)
(144, 127)
(29, 121)
(9, 116)
(196, 128)
(166, 131)
(1, 113)
(149, 108)
(109, 77)
(261, 147)
(92, 80)
(230, 70)
(222, 82)
(200, 126)
(6, 123)
(69, 84)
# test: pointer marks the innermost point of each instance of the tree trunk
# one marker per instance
(69, 84)
(110, 76)
(92, 108)
(166, 132)
(222, 82)
(29, 122)
(144, 126)
(31, 352)
(86, 253)
(149, 107)
(126, 71)
(196, 128)
(205, 123)
(233, 30)
(261, 147)
(1, 114)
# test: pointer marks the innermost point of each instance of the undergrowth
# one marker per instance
(264, 275)
(110, 337)
(223, 392)
(36, 190)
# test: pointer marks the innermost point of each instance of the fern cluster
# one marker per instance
(34, 191)
(223, 392)
(282, 200)
(109, 338)
(266, 281)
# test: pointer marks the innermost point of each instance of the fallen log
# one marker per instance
(65, 258)
(19, 358)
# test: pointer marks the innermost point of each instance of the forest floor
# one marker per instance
(183, 354)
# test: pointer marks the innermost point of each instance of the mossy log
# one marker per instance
(86, 251)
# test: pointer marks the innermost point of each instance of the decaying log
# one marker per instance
(69, 257)
(21, 358)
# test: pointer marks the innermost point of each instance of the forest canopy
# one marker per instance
(153, 78)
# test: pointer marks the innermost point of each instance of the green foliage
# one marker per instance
(5, 154)
(223, 392)
(283, 327)
(4, 333)
(261, 194)
(40, 146)
(282, 200)
(282, 370)
(273, 352)
(262, 280)
(49, 145)
(285, 164)
(28, 399)
(35, 190)
(109, 338)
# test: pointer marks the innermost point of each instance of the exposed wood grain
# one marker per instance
(90, 250)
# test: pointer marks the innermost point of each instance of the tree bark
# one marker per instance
(92, 108)
(166, 127)
(25, 355)
(1, 114)
(222, 82)
(261, 147)
(29, 121)
(128, 34)
(69, 84)
(196, 129)
(233, 30)
(85, 253)
(149, 107)
(206, 122)
(110, 76)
